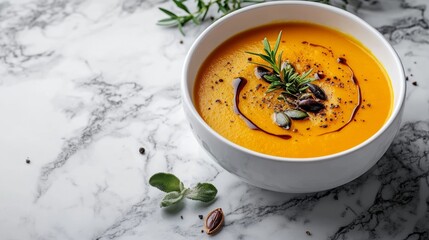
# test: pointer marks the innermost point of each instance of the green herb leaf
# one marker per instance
(180, 4)
(204, 192)
(168, 22)
(171, 14)
(166, 182)
(271, 78)
(202, 8)
(267, 46)
(171, 198)
(277, 44)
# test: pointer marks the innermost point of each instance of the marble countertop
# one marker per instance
(85, 84)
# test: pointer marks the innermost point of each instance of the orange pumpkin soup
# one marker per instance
(322, 93)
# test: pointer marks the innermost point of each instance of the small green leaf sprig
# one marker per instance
(198, 16)
(202, 8)
(176, 191)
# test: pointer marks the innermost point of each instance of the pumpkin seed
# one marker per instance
(296, 114)
(317, 91)
(214, 221)
(260, 73)
(282, 120)
(305, 96)
(311, 105)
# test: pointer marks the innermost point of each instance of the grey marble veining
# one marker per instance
(85, 84)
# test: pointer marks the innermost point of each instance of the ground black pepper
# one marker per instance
(27, 161)
(142, 150)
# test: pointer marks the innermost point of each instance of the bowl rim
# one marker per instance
(397, 108)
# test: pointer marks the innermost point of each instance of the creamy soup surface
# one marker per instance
(357, 88)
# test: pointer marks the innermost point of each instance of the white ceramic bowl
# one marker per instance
(293, 175)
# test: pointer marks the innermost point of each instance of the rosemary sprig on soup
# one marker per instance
(324, 90)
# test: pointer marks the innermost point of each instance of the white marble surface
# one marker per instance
(85, 84)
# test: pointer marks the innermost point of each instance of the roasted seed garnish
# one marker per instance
(214, 221)
(260, 72)
(317, 91)
(319, 75)
(282, 120)
(305, 96)
(296, 114)
(288, 98)
(288, 95)
(311, 105)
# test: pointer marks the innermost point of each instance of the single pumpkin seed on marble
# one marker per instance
(317, 91)
(214, 221)
(311, 105)
(282, 120)
(296, 114)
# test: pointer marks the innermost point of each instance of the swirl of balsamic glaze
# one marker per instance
(343, 61)
(238, 85)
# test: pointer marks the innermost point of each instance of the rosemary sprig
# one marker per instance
(270, 55)
(223, 6)
(202, 8)
(284, 74)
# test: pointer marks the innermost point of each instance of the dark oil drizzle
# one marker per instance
(317, 45)
(238, 85)
(343, 61)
